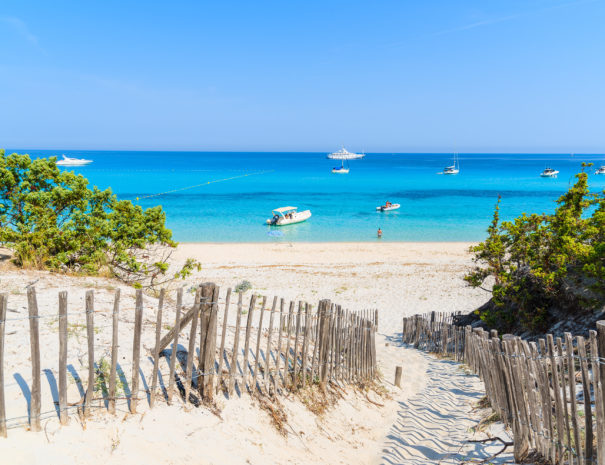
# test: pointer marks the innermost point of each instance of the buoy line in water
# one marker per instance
(203, 184)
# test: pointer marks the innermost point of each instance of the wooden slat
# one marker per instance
(136, 351)
(268, 351)
(296, 336)
(600, 362)
(223, 334)
(111, 404)
(247, 337)
(156, 355)
(238, 320)
(63, 415)
(287, 376)
(588, 433)
(3, 309)
(175, 341)
(191, 347)
(305, 345)
(208, 374)
(258, 338)
(279, 338)
(90, 336)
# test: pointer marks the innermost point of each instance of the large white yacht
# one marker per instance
(344, 154)
(600, 170)
(549, 173)
(68, 161)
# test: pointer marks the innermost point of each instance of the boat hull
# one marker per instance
(395, 206)
(299, 218)
(339, 171)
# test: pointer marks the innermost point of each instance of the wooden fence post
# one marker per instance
(268, 351)
(111, 404)
(175, 342)
(63, 416)
(191, 347)
(90, 333)
(233, 368)
(156, 354)
(247, 338)
(209, 293)
(601, 411)
(223, 334)
(258, 338)
(136, 351)
(324, 336)
(3, 309)
(398, 372)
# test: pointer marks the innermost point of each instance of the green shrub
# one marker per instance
(544, 262)
(51, 219)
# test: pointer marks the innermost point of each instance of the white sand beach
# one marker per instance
(426, 421)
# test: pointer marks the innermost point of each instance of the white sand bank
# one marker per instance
(397, 278)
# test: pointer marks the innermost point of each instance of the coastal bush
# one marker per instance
(243, 286)
(542, 264)
(51, 219)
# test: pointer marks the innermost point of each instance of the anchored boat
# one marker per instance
(341, 169)
(388, 206)
(68, 161)
(549, 173)
(344, 154)
(288, 215)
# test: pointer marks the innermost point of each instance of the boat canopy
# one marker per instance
(284, 209)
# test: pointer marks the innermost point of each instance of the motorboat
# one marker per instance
(453, 169)
(69, 161)
(549, 173)
(344, 154)
(288, 215)
(601, 170)
(341, 169)
(388, 207)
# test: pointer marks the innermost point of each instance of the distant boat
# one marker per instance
(344, 154)
(549, 173)
(288, 215)
(68, 161)
(342, 169)
(455, 168)
(601, 170)
(388, 207)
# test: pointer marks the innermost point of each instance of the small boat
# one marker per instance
(68, 161)
(288, 215)
(341, 169)
(388, 207)
(601, 170)
(453, 169)
(549, 173)
(344, 154)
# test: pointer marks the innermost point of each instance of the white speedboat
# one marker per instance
(601, 170)
(453, 169)
(344, 154)
(388, 207)
(341, 169)
(68, 161)
(288, 215)
(549, 173)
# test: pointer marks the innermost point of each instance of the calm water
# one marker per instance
(433, 207)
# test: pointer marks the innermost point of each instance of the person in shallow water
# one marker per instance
(379, 233)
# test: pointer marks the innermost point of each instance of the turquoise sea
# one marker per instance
(234, 207)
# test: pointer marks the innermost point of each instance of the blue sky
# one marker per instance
(393, 76)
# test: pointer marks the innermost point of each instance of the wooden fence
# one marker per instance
(550, 393)
(301, 346)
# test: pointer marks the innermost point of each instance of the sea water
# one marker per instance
(235, 192)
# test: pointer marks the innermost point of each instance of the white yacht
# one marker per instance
(549, 173)
(288, 215)
(453, 169)
(68, 161)
(341, 169)
(600, 170)
(344, 154)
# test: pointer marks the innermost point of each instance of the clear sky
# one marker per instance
(393, 76)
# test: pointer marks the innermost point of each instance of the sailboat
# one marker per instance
(342, 169)
(453, 169)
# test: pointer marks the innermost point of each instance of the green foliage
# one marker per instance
(51, 219)
(540, 262)
(243, 286)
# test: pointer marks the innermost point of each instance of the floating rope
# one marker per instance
(203, 184)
